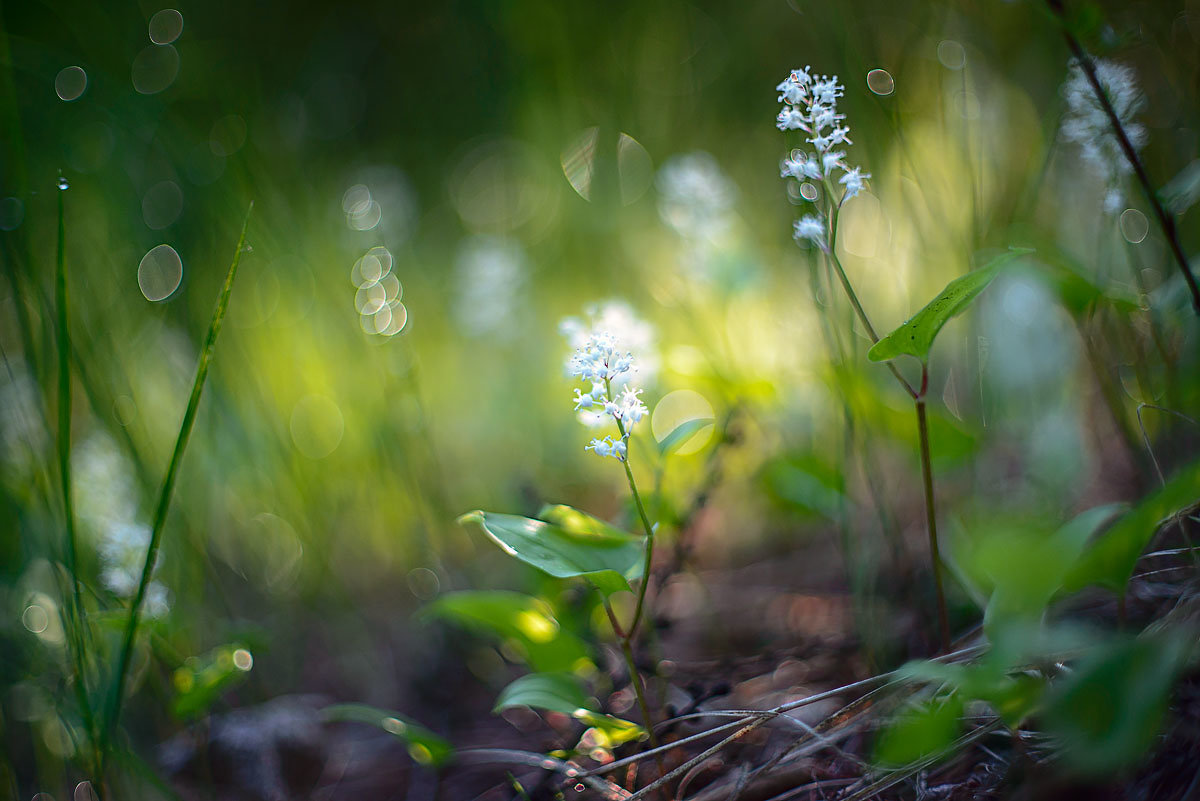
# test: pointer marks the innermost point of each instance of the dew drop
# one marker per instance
(63, 184)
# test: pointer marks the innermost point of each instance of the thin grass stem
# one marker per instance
(117, 694)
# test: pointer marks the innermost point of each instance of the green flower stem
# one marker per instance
(930, 512)
(635, 678)
(849, 288)
(626, 637)
(918, 396)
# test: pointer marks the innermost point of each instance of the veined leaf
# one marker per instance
(1109, 562)
(514, 617)
(574, 544)
(424, 746)
(915, 337)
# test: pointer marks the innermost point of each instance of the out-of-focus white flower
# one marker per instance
(1086, 123)
(490, 273)
(812, 228)
(695, 197)
(854, 180)
(106, 500)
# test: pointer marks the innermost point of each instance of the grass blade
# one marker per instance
(164, 498)
(73, 617)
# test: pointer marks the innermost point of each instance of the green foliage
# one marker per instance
(201, 680)
(1107, 711)
(425, 747)
(920, 731)
(568, 544)
(526, 622)
(563, 693)
(681, 434)
(1109, 562)
(915, 337)
(1013, 567)
(557, 692)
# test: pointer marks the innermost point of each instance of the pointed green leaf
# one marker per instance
(682, 433)
(520, 619)
(915, 337)
(557, 692)
(1109, 562)
(574, 544)
(563, 692)
(424, 746)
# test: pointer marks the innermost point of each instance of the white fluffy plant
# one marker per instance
(811, 107)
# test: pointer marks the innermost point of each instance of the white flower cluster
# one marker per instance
(695, 197)
(107, 503)
(615, 317)
(1087, 124)
(599, 362)
(810, 105)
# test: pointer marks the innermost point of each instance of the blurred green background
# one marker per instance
(436, 187)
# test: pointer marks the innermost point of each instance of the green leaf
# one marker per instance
(573, 544)
(1109, 562)
(920, 731)
(201, 680)
(915, 337)
(1013, 696)
(425, 747)
(607, 731)
(1107, 712)
(557, 692)
(682, 433)
(563, 692)
(526, 621)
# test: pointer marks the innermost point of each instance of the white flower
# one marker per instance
(1088, 125)
(695, 197)
(853, 180)
(614, 319)
(790, 119)
(632, 410)
(599, 361)
(812, 228)
(811, 106)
